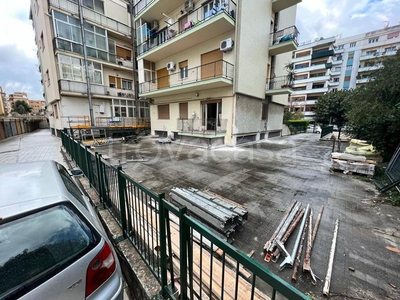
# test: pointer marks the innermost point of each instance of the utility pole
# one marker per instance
(136, 111)
(85, 63)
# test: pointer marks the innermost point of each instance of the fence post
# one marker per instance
(89, 164)
(163, 243)
(184, 236)
(122, 189)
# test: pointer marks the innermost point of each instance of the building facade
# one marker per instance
(4, 105)
(86, 62)
(347, 65)
(38, 106)
(214, 71)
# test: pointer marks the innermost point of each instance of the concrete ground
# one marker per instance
(266, 177)
(35, 146)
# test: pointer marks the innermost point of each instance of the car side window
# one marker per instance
(71, 186)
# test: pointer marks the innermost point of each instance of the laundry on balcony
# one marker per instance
(188, 25)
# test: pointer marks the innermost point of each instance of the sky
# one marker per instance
(315, 18)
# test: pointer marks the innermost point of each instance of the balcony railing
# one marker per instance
(279, 83)
(322, 53)
(91, 15)
(140, 6)
(122, 122)
(95, 89)
(209, 126)
(217, 69)
(195, 18)
(288, 34)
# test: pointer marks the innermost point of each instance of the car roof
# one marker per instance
(28, 186)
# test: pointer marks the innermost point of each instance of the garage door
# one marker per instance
(211, 64)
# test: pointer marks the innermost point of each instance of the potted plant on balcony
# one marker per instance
(289, 67)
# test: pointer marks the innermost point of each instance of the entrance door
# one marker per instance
(211, 111)
(211, 64)
(162, 78)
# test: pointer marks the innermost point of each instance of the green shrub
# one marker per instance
(300, 125)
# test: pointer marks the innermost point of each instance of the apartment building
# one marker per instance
(311, 68)
(343, 63)
(214, 71)
(356, 56)
(38, 106)
(4, 105)
(86, 62)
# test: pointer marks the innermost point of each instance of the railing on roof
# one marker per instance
(195, 18)
(174, 246)
(288, 34)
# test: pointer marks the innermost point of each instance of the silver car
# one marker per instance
(52, 243)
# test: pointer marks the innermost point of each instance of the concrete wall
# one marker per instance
(248, 115)
(116, 9)
(252, 36)
(275, 117)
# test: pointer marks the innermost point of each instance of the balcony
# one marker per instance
(335, 72)
(363, 80)
(312, 79)
(309, 69)
(213, 75)
(301, 58)
(324, 53)
(278, 5)
(92, 16)
(333, 83)
(337, 61)
(377, 54)
(76, 87)
(283, 41)
(202, 127)
(200, 27)
(370, 68)
(338, 50)
(278, 86)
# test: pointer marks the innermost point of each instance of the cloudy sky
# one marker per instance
(315, 18)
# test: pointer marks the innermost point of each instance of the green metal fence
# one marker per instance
(173, 244)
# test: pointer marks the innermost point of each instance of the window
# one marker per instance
(317, 75)
(183, 21)
(96, 41)
(208, 9)
(336, 79)
(95, 73)
(183, 111)
(318, 86)
(339, 57)
(353, 44)
(264, 110)
(126, 84)
(393, 35)
(149, 71)
(120, 83)
(183, 69)
(42, 41)
(68, 33)
(350, 67)
(373, 40)
(163, 112)
(124, 53)
(390, 49)
(300, 66)
(47, 77)
(42, 251)
(347, 78)
(371, 52)
(70, 68)
(96, 5)
(338, 69)
(144, 111)
(340, 47)
(55, 110)
(334, 90)
(122, 108)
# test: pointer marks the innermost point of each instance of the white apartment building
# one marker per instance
(347, 65)
(213, 71)
(311, 63)
(85, 56)
(352, 60)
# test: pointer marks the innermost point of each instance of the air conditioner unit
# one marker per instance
(189, 6)
(154, 25)
(171, 66)
(226, 45)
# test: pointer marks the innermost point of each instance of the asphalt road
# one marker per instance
(267, 177)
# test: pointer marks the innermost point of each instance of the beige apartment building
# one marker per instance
(86, 62)
(4, 105)
(38, 106)
(214, 71)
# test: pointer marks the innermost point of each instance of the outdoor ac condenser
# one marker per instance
(226, 45)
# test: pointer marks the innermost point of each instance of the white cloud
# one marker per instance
(326, 18)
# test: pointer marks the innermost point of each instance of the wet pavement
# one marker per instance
(267, 177)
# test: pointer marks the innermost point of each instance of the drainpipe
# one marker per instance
(136, 111)
(85, 63)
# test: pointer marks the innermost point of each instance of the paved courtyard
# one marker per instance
(266, 177)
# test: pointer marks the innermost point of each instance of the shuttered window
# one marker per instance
(124, 53)
(183, 110)
(393, 35)
(163, 112)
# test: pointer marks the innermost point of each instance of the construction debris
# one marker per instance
(225, 217)
(352, 163)
(328, 277)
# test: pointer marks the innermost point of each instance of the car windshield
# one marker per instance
(37, 246)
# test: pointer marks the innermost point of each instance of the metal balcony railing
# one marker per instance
(95, 89)
(195, 18)
(279, 83)
(209, 126)
(91, 15)
(140, 6)
(217, 69)
(288, 34)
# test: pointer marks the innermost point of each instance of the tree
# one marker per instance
(331, 109)
(21, 107)
(373, 111)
